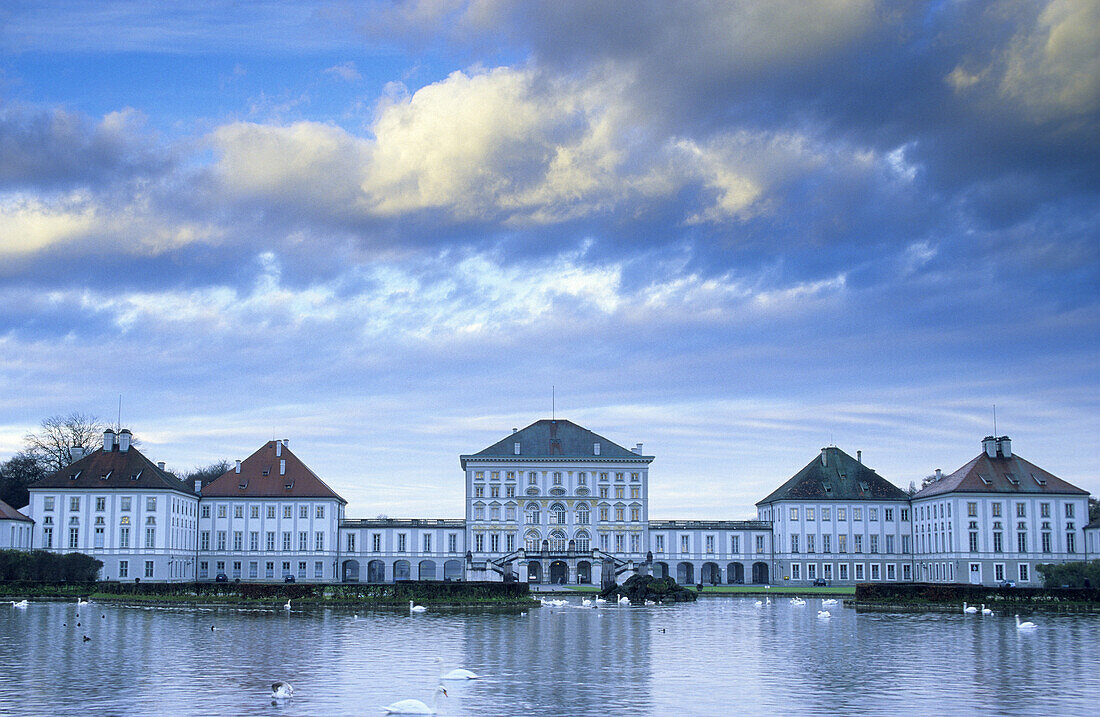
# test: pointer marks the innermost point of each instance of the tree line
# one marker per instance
(58, 442)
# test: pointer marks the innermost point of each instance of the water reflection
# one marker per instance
(707, 658)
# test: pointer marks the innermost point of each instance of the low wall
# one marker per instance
(903, 593)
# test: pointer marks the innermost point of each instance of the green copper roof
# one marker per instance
(555, 440)
(835, 475)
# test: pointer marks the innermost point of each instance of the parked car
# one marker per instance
(820, 583)
(1007, 584)
(288, 578)
(221, 578)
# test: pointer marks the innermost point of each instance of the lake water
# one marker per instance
(714, 657)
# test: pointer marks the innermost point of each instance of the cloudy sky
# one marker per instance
(735, 232)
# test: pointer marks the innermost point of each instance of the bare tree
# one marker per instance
(55, 442)
(207, 474)
(15, 475)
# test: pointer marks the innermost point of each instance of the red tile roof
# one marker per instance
(260, 477)
(9, 513)
(113, 469)
(1000, 475)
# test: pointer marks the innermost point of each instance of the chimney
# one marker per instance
(198, 486)
(989, 444)
(160, 465)
(515, 430)
(108, 440)
(238, 466)
(939, 474)
(282, 467)
(638, 449)
(77, 452)
(824, 457)
(278, 448)
(859, 457)
(124, 437)
(1004, 446)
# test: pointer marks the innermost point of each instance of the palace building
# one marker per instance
(557, 503)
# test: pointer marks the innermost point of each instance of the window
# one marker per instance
(904, 514)
(1044, 510)
(794, 513)
(74, 503)
(760, 543)
(479, 511)
(1021, 542)
(998, 571)
(998, 542)
(100, 504)
(582, 542)
(859, 571)
(557, 514)
(286, 541)
(531, 517)
(402, 542)
(811, 571)
(494, 475)
(376, 542)
(427, 540)
(254, 511)
(303, 512)
(842, 514)
(479, 491)
(221, 511)
(857, 541)
(269, 542)
(1021, 510)
(303, 541)
(709, 543)
(872, 514)
(857, 513)
(148, 568)
(74, 537)
(618, 542)
(301, 569)
(888, 514)
(532, 478)
(557, 477)
(582, 479)
(253, 569)
(494, 491)
(973, 541)
(844, 571)
(842, 543)
(810, 548)
(619, 477)
(635, 492)
(605, 512)
(269, 569)
(479, 542)
(150, 537)
(794, 543)
(1024, 576)
(906, 544)
(889, 543)
(618, 512)
(635, 513)
(238, 511)
(47, 503)
(685, 543)
(996, 509)
(659, 543)
(510, 512)
(221, 540)
(238, 540)
(271, 515)
(603, 491)
(618, 491)
(319, 541)
(796, 571)
(583, 514)
(809, 514)
(494, 511)
(826, 514)
(204, 511)
(603, 541)
(98, 537)
(1071, 543)
(509, 491)
(254, 540)
(827, 571)
(735, 543)
(1069, 510)
(826, 546)
(891, 572)
(452, 542)
(509, 542)
(288, 512)
(124, 538)
(875, 571)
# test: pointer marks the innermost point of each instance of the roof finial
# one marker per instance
(553, 403)
(118, 426)
(994, 419)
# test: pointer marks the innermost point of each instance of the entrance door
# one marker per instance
(975, 573)
(559, 572)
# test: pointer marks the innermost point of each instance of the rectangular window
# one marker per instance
(509, 542)
(841, 514)
(97, 538)
(859, 571)
(238, 511)
(810, 548)
(888, 513)
(221, 511)
(376, 542)
(402, 542)
(204, 512)
(1071, 543)
(510, 492)
(635, 514)
(74, 503)
(827, 571)
(826, 544)
(1044, 510)
(303, 541)
(302, 569)
(221, 540)
(973, 541)
(320, 512)
(826, 514)
(124, 568)
(303, 512)
(124, 537)
(150, 537)
(254, 511)
(905, 515)
(271, 515)
(659, 543)
(1021, 542)
(47, 503)
(998, 542)
(253, 569)
(794, 543)
(269, 542)
(1069, 510)
(889, 543)
(1021, 510)
(286, 541)
(74, 537)
(875, 572)
(842, 543)
(796, 571)
(844, 571)
(809, 514)
(857, 513)
(148, 568)
(100, 504)
(794, 513)
(351, 542)
(479, 542)
(1046, 542)
(254, 540)
(288, 511)
(318, 569)
(709, 542)
(685, 544)
(735, 544)
(998, 571)
(427, 541)
(906, 544)
(619, 542)
(891, 572)
(811, 571)
(996, 509)
(238, 540)
(857, 543)
(872, 513)
(906, 572)
(760, 543)
(319, 541)
(269, 569)
(1024, 575)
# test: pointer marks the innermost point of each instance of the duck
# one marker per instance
(87, 639)
(21, 603)
(459, 673)
(413, 607)
(1027, 625)
(281, 690)
(416, 707)
(969, 610)
(985, 610)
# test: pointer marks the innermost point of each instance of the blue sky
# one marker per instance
(735, 232)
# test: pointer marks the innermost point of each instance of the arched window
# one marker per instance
(557, 542)
(583, 514)
(557, 514)
(532, 517)
(531, 541)
(583, 542)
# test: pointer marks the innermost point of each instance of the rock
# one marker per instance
(639, 588)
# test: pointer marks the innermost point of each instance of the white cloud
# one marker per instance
(346, 71)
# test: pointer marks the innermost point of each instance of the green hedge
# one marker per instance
(43, 566)
(1074, 575)
(902, 593)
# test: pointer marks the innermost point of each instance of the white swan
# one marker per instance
(80, 602)
(413, 607)
(767, 600)
(416, 707)
(797, 601)
(985, 610)
(281, 690)
(624, 600)
(21, 603)
(459, 673)
(830, 601)
(287, 606)
(969, 610)
(600, 601)
(759, 604)
(586, 602)
(824, 614)
(1025, 625)
(649, 602)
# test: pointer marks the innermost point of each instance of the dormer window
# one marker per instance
(1011, 478)
(73, 476)
(1038, 480)
(828, 489)
(136, 476)
(290, 485)
(515, 448)
(267, 471)
(984, 479)
(242, 485)
(595, 449)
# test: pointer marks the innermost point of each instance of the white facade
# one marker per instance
(388, 550)
(711, 552)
